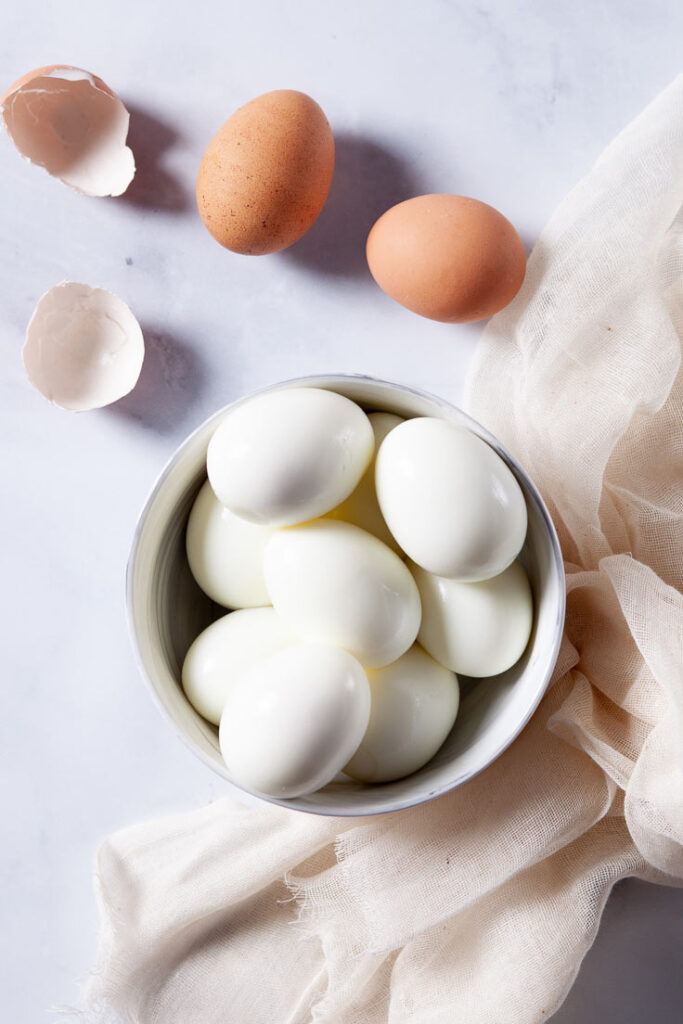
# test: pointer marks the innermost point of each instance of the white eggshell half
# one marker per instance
(226, 553)
(449, 500)
(71, 123)
(84, 348)
(292, 722)
(361, 508)
(336, 584)
(225, 650)
(288, 456)
(476, 629)
(413, 705)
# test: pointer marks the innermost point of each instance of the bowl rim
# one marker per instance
(557, 568)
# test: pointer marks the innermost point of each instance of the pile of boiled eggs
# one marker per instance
(368, 560)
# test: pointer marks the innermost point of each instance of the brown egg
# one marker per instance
(266, 173)
(446, 257)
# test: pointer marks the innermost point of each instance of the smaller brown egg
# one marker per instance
(446, 257)
(266, 173)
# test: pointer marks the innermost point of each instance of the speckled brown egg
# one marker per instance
(446, 257)
(266, 173)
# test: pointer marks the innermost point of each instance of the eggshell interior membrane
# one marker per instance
(84, 348)
(69, 122)
(446, 257)
(266, 173)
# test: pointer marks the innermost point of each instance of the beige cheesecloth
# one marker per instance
(478, 907)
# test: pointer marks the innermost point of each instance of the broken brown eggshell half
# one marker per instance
(71, 123)
(84, 348)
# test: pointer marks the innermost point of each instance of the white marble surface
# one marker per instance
(507, 102)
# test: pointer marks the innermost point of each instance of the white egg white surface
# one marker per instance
(334, 583)
(291, 455)
(450, 501)
(225, 650)
(225, 553)
(414, 703)
(361, 508)
(292, 722)
(476, 629)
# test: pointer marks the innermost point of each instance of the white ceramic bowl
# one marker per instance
(167, 611)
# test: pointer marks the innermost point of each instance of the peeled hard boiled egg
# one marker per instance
(476, 629)
(266, 173)
(289, 455)
(225, 650)
(361, 507)
(225, 553)
(449, 500)
(291, 723)
(413, 705)
(449, 258)
(336, 584)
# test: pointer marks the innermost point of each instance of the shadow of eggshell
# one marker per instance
(84, 348)
(71, 123)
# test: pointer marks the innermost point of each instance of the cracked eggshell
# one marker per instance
(71, 123)
(84, 348)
